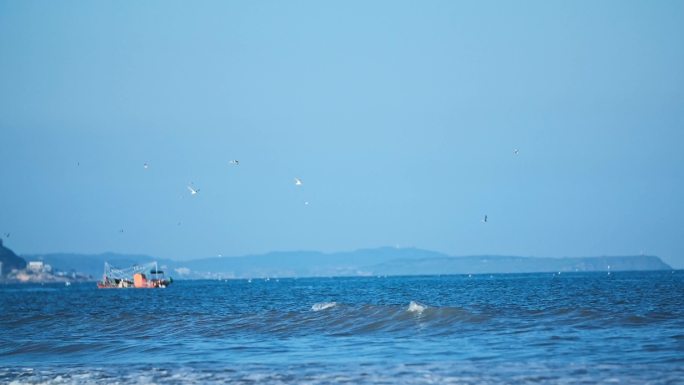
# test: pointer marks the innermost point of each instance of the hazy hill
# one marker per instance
(10, 260)
(511, 264)
(306, 263)
(379, 261)
(409, 261)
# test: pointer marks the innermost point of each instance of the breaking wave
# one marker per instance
(319, 374)
(323, 305)
(416, 307)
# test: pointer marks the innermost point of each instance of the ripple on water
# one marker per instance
(355, 330)
(314, 374)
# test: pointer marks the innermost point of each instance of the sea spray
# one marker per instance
(323, 305)
(415, 307)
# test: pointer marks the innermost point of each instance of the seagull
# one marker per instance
(306, 203)
(235, 162)
(145, 166)
(192, 190)
(121, 230)
(515, 151)
(484, 220)
(298, 182)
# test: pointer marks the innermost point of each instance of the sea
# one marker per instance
(569, 328)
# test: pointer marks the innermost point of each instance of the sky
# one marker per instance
(400, 117)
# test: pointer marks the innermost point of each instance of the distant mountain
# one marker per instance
(510, 264)
(378, 261)
(305, 263)
(406, 261)
(9, 260)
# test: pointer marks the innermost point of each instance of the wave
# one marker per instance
(363, 373)
(323, 305)
(336, 320)
(301, 320)
(415, 307)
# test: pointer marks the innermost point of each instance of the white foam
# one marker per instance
(415, 307)
(323, 305)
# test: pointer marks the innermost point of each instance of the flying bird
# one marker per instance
(515, 151)
(193, 191)
(235, 162)
(298, 182)
(484, 220)
(145, 165)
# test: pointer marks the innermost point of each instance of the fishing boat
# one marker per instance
(146, 276)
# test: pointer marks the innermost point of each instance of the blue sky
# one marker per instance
(400, 117)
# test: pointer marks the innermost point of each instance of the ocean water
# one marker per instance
(582, 328)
